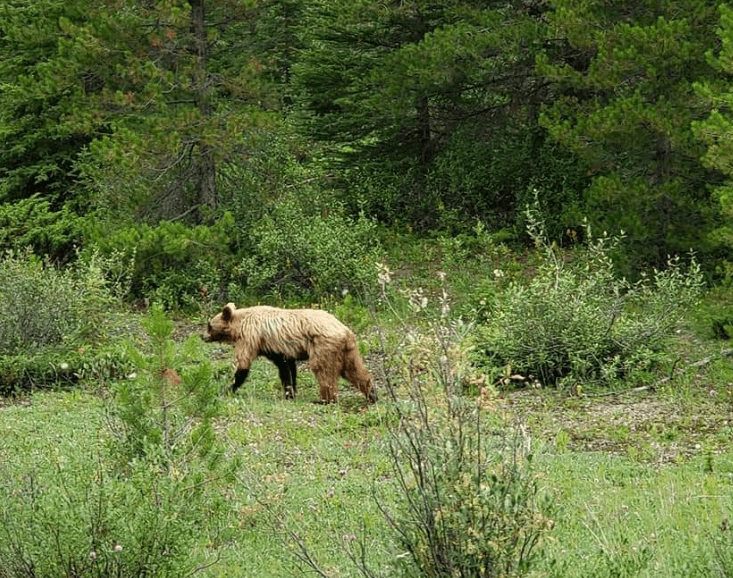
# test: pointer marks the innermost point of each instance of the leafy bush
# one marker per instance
(171, 263)
(294, 252)
(144, 512)
(44, 306)
(38, 305)
(31, 223)
(85, 522)
(577, 321)
(488, 173)
(467, 501)
(59, 366)
(51, 321)
(469, 504)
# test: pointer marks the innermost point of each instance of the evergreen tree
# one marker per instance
(625, 103)
(153, 95)
(391, 85)
(717, 131)
(176, 106)
(41, 91)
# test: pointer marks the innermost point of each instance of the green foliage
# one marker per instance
(713, 319)
(716, 129)
(31, 223)
(576, 321)
(391, 88)
(625, 104)
(142, 512)
(174, 91)
(52, 322)
(62, 367)
(722, 546)
(297, 252)
(40, 306)
(86, 522)
(490, 174)
(171, 263)
(467, 502)
(42, 103)
(465, 508)
(158, 419)
(43, 306)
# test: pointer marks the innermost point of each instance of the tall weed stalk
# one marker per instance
(462, 498)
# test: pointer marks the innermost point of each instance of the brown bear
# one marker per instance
(285, 336)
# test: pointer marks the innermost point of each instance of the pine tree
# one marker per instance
(625, 103)
(41, 92)
(127, 105)
(716, 131)
(388, 85)
(176, 105)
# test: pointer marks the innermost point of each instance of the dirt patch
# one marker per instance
(647, 426)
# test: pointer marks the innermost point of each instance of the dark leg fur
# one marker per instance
(239, 376)
(287, 370)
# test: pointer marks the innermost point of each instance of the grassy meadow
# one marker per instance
(647, 497)
(630, 480)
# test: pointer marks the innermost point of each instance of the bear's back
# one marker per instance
(310, 322)
(320, 322)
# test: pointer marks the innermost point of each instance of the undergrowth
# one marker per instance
(577, 323)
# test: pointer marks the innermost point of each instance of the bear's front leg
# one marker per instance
(239, 376)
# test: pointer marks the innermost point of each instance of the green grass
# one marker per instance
(663, 517)
(313, 470)
(642, 480)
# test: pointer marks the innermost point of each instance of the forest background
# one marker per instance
(270, 146)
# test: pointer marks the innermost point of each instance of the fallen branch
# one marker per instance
(700, 363)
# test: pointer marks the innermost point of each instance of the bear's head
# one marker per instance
(221, 327)
(372, 393)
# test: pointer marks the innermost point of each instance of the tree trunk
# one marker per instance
(205, 165)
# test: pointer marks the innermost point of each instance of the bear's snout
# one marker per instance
(372, 395)
(207, 335)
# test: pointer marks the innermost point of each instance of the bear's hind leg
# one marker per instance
(293, 371)
(287, 370)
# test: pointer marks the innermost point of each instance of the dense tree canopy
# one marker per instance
(625, 103)
(395, 86)
(40, 90)
(425, 113)
(717, 130)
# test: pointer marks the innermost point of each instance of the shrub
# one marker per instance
(144, 512)
(38, 306)
(171, 263)
(468, 503)
(467, 500)
(577, 321)
(153, 417)
(31, 223)
(51, 320)
(299, 254)
(60, 367)
(83, 521)
(44, 306)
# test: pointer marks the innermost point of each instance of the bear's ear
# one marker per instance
(228, 311)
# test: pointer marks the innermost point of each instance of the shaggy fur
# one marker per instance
(287, 335)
